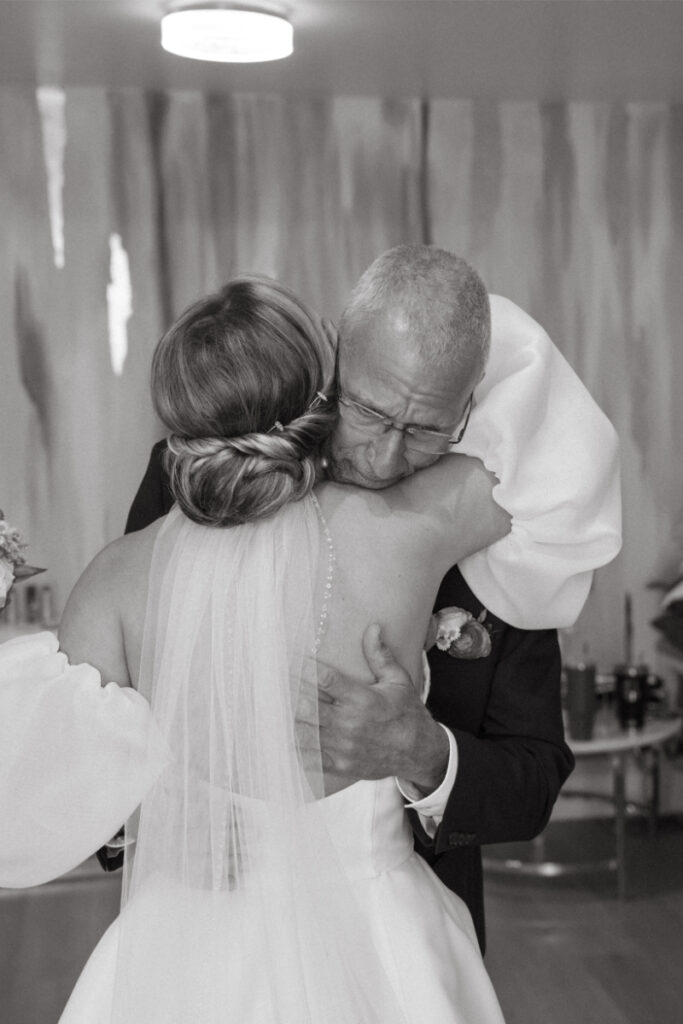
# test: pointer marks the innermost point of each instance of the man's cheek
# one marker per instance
(342, 446)
(341, 435)
(342, 465)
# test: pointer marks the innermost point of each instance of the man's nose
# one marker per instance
(387, 455)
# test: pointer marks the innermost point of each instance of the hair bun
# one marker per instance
(227, 481)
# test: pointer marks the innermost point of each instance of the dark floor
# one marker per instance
(46, 936)
(566, 951)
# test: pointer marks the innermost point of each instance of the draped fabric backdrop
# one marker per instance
(119, 208)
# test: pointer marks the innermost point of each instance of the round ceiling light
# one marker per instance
(226, 32)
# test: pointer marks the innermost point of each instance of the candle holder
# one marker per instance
(581, 700)
(631, 688)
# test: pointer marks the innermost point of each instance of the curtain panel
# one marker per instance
(120, 208)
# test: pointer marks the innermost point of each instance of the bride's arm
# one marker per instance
(77, 751)
(456, 496)
(90, 629)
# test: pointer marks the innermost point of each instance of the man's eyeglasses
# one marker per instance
(417, 439)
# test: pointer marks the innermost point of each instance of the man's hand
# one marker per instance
(374, 730)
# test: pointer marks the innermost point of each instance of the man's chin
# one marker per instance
(374, 484)
(348, 474)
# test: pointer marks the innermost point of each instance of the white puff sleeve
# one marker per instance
(556, 456)
(76, 758)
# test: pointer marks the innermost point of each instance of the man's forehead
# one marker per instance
(396, 387)
(375, 346)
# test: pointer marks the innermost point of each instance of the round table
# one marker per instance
(617, 746)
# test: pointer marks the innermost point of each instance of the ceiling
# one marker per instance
(512, 49)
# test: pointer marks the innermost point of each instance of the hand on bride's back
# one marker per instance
(374, 730)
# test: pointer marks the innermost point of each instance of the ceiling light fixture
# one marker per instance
(226, 32)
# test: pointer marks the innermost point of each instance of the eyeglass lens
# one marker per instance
(427, 441)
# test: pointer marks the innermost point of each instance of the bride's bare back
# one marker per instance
(392, 548)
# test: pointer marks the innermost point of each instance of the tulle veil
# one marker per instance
(235, 906)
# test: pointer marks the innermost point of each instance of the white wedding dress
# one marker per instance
(422, 933)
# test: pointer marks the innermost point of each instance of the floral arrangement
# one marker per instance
(12, 560)
(457, 633)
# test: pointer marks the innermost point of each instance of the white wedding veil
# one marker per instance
(235, 907)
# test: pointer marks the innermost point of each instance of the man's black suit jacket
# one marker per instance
(504, 711)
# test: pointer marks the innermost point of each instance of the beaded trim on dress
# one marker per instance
(329, 577)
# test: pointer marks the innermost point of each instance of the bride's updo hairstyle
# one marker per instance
(243, 382)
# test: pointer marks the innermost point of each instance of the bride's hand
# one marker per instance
(371, 731)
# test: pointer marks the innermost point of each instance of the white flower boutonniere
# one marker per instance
(457, 633)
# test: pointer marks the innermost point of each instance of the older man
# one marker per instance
(484, 760)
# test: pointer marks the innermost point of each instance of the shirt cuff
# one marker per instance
(432, 806)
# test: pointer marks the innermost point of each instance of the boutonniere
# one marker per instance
(457, 632)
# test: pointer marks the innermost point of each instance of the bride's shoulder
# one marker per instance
(112, 585)
(121, 562)
(132, 552)
(455, 485)
(455, 495)
(451, 499)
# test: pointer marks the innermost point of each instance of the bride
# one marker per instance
(259, 889)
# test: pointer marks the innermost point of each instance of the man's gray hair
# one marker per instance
(440, 298)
